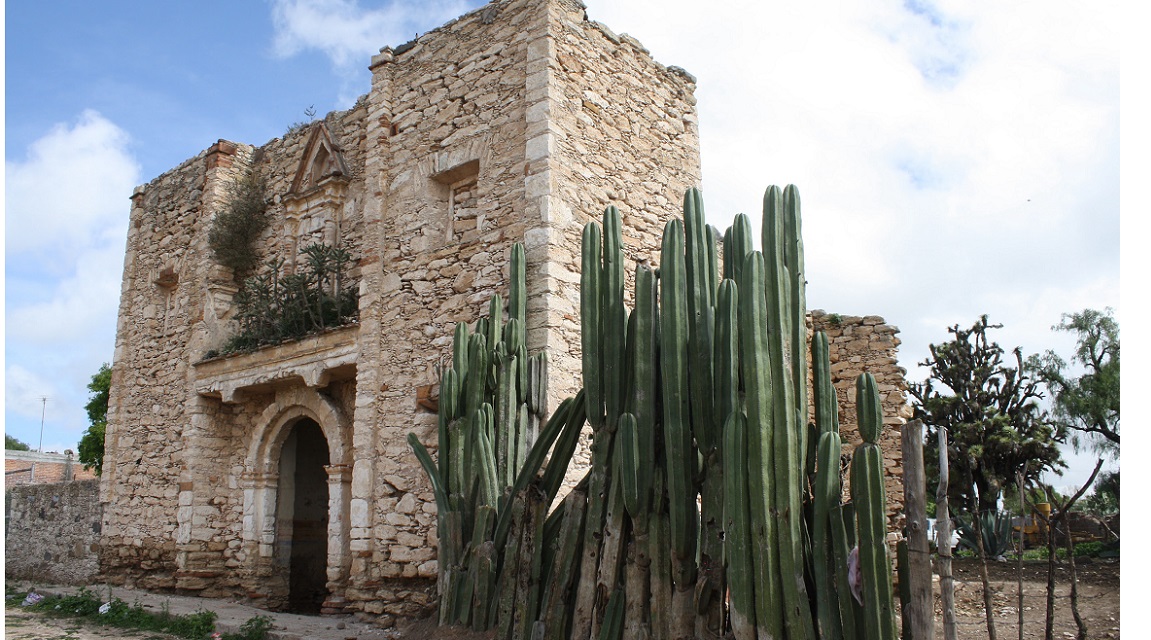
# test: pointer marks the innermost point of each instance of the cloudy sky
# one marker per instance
(954, 158)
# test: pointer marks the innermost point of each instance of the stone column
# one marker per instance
(259, 513)
(339, 498)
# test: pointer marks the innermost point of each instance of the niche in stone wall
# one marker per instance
(314, 205)
(456, 189)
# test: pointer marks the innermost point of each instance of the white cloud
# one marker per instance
(23, 390)
(82, 305)
(66, 222)
(67, 205)
(349, 34)
(947, 153)
(954, 158)
(71, 187)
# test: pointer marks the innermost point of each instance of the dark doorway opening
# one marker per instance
(304, 502)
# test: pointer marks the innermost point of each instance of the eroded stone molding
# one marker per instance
(315, 360)
(290, 405)
(314, 204)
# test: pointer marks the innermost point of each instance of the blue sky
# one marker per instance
(954, 158)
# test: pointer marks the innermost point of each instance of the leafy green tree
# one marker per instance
(990, 409)
(1086, 408)
(1105, 500)
(13, 444)
(91, 447)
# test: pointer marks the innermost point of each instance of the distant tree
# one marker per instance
(91, 447)
(995, 425)
(1086, 408)
(1105, 500)
(12, 444)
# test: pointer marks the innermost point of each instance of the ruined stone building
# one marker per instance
(283, 474)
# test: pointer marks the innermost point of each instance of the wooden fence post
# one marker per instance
(918, 609)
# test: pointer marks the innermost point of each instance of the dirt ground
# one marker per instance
(1098, 604)
(21, 624)
(1098, 599)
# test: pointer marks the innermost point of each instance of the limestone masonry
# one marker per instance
(52, 532)
(283, 475)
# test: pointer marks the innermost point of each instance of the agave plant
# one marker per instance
(996, 529)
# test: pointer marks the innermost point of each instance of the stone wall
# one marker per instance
(868, 344)
(144, 440)
(474, 136)
(52, 532)
(450, 110)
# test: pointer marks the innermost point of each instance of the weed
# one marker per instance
(277, 306)
(256, 628)
(1082, 550)
(86, 606)
(235, 229)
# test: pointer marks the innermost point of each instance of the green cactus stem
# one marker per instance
(867, 493)
(680, 457)
(741, 575)
(755, 358)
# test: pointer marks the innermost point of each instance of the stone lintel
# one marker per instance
(316, 360)
(328, 192)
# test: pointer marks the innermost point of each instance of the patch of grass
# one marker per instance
(86, 606)
(1082, 550)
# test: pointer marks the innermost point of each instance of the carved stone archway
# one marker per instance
(261, 481)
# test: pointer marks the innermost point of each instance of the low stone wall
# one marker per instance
(52, 532)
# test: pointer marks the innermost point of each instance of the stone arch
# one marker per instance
(291, 405)
(261, 483)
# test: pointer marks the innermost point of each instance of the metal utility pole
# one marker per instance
(43, 409)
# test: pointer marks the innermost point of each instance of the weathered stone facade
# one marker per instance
(52, 532)
(517, 122)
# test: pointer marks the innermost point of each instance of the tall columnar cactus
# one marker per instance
(789, 454)
(755, 360)
(701, 456)
(679, 454)
(603, 326)
(490, 399)
(834, 604)
(706, 423)
(870, 512)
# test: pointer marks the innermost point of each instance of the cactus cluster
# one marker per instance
(713, 503)
(490, 449)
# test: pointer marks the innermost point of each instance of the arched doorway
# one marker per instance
(302, 515)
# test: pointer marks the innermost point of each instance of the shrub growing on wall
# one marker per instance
(279, 305)
(232, 238)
